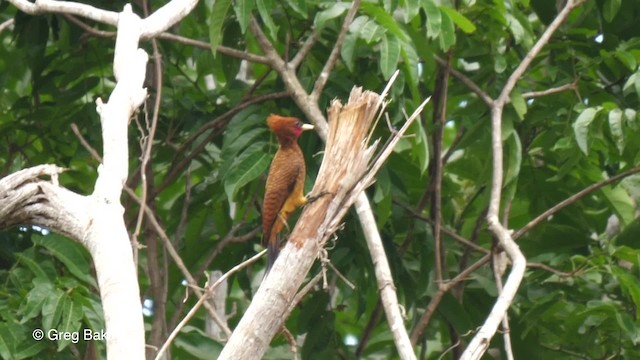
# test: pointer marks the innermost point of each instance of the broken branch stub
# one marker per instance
(346, 160)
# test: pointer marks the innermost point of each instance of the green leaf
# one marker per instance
(448, 33)
(334, 11)
(516, 28)
(411, 9)
(264, 9)
(637, 83)
(348, 50)
(70, 253)
(33, 265)
(518, 103)
(434, 18)
(629, 285)
(420, 149)
(620, 202)
(581, 127)
(36, 299)
(218, 15)
(460, 20)
(52, 309)
(70, 321)
(243, 10)
(8, 341)
(371, 32)
(630, 117)
(387, 21)
(610, 9)
(514, 158)
(627, 59)
(615, 125)
(300, 7)
(389, 55)
(499, 63)
(247, 170)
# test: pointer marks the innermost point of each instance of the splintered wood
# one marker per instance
(347, 155)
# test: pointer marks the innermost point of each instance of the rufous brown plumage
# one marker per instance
(284, 191)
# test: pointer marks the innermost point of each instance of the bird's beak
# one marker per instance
(307, 127)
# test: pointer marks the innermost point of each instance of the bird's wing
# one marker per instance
(281, 181)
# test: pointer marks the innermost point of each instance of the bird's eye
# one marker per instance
(299, 124)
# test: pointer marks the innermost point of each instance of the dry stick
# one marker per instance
(439, 115)
(480, 342)
(335, 52)
(148, 142)
(169, 246)
(172, 37)
(435, 300)
(506, 332)
(304, 49)
(550, 91)
(303, 292)
(468, 82)
(572, 199)
(202, 301)
(8, 24)
(158, 279)
(228, 239)
(292, 342)
(313, 112)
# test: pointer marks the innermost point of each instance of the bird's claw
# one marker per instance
(312, 198)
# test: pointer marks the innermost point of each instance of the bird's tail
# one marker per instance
(272, 254)
(273, 249)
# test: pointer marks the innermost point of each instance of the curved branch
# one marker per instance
(480, 342)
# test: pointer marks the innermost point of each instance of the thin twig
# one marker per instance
(437, 297)
(335, 52)
(550, 91)
(304, 49)
(292, 342)
(572, 199)
(85, 144)
(202, 301)
(439, 118)
(7, 24)
(468, 83)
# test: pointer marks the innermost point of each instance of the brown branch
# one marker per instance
(304, 49)
(85, 144)
(468, 83)
(7, 24)
(560, 273)
(437, 297)
(572, 199)
(89, 29)
(550, 91)
(335, 52)
(457, 237)
(480, 342)
(439, 117)
(239, 54)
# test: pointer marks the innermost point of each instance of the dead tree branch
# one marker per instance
(480, 342)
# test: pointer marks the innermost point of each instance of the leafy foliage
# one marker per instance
(212, 150)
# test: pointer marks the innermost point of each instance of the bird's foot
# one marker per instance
(312, 198)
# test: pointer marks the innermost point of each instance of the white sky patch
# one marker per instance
(599, 38)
